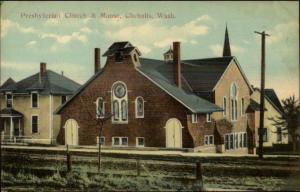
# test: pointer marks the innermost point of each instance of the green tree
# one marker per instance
(290, 120)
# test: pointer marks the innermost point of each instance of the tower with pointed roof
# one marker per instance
(226, 48)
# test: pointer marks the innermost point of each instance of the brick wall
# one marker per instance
(159, 107)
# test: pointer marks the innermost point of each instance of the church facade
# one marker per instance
(170, 103)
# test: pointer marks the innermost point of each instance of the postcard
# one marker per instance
(149, 96)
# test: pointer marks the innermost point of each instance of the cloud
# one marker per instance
(153, 34)
(86, 30)
(8, 25)
(217, 49)
(64, 39)
(283, 32)
(31, 44)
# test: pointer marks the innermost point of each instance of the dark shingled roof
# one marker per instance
(51, 83)
(124, 47)
(270, 93)
(203, 74)
(7, 83)
(253, 106)
(162, 74)
(10, 112)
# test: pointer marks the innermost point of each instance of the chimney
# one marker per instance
(42, 70)
(177, 63)
(97, 60)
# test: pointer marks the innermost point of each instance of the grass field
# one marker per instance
(32, 172)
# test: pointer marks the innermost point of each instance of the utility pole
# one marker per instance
(262, 94)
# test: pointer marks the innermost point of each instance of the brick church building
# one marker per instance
(170, 103)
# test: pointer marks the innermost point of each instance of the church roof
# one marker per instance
(226, 48)
(125, 47)
(169, 51)
(51, 83)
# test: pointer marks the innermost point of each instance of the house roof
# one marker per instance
(7, 83)
(271, 96)
(51, 83)
(9, 112)
(254, 106)
(270, 93)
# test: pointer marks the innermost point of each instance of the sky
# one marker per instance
(66, 41)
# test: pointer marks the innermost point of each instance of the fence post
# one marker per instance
(69, 162)
(198, 171)
(138, 167)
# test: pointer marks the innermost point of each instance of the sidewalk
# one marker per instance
(94, 149)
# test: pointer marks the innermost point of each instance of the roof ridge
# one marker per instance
(64, 76)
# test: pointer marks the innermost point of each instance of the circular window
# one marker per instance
(120, 90)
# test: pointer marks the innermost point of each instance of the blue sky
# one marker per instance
(67, 44)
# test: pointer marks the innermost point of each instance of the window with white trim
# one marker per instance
(34, 123)
(102, 140)
(140, 141)
(194, 118)
(208, 117)
(224, 106)
(208, 140)
(235, 140)
(100, 107)
(119, 103)
(278, 134)
(34, 100)
(139, 107)
(120, 141)
(265, 135)
(233, 100)
(242, 106)
(9, 100)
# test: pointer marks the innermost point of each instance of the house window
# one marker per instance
(120, 141)
(34, 100)
(279, 134)
(224, 106)
(208, 117)
(244, 139)
(233, 99)
(102, 140)
(34, 124)
(194, 118)
(63, 99)
(208, 139)
(140, 141)
(9, 100)
(139, 107)
(120, 103)
(242, 106)
(265, 135)
(100, 108)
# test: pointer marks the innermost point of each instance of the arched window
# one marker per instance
(116, 110)
(119, 103)
(124, 110)
(233, 99)
(100, 109)
(139, 107)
